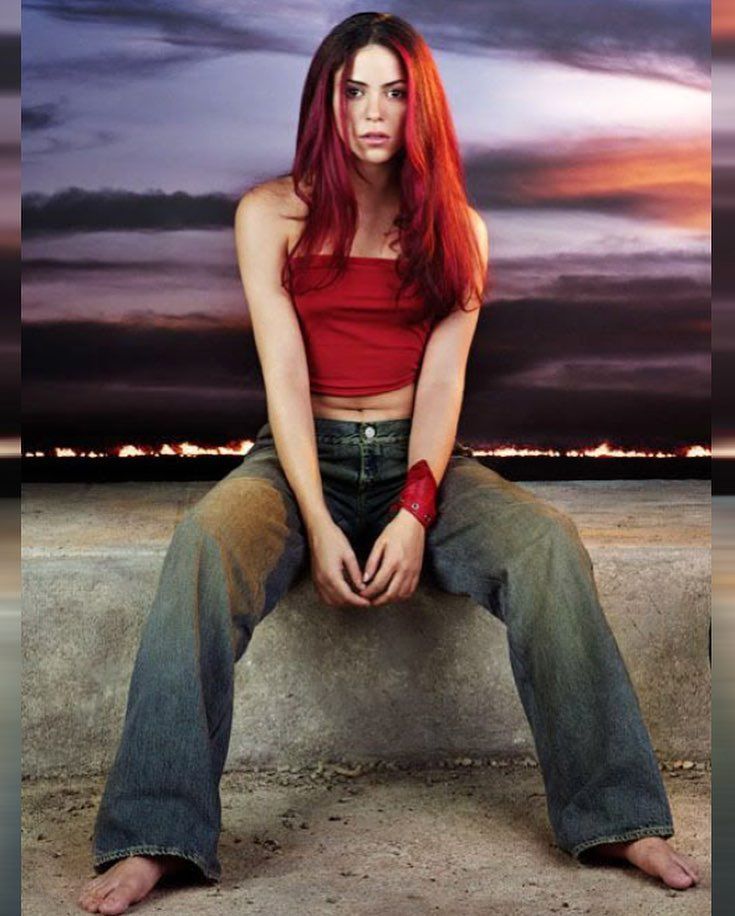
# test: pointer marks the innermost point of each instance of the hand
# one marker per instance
(395, 561)
(331, 552)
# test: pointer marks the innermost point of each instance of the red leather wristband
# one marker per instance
(418, 495)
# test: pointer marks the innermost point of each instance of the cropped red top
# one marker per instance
(358, 340)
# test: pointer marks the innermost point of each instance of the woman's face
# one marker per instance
(376, 96)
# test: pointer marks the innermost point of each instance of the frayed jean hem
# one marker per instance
(664, 830)
(103, 859)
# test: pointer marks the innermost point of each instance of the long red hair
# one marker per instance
(439, 256)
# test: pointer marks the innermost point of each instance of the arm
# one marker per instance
(395, 561)
(440, 388)
(261, 245)
(260, 252)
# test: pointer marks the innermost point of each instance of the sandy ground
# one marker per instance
(388, 841)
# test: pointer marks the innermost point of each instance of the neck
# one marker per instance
(376, 186)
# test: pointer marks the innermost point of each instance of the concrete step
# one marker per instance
(418, 681)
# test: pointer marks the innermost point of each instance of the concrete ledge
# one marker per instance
(416, 682)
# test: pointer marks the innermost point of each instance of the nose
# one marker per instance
(373, 108)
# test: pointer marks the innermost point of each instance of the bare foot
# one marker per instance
(126, 882)
(653, 855)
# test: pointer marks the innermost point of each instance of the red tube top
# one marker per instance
(358, 340)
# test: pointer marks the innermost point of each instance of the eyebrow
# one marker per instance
(392, 83)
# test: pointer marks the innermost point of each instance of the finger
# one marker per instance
(387, 597)
(374, 560)
(380, 581)
(353, 568)
(345, 595)
(407, 588)
(405, 593)
(391, 592)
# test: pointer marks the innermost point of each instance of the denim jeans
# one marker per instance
(237, 552)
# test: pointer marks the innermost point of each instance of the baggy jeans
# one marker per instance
(237, 552)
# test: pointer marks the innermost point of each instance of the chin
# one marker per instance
(376, 155)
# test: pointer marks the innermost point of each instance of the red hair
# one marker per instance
(439, 254)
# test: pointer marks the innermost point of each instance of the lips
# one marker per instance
(375, 136)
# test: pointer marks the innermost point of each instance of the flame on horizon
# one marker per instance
(243, 446)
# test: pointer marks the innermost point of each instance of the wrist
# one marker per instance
(419, 494)
(405, 512)
(423, 514)
(316, 517)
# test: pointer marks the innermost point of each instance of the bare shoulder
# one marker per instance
(478, 224)
(263, 218)
(275, 198)
(269, 214)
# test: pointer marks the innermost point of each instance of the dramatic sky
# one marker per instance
(585, 131)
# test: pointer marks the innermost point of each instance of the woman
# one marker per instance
(359, 463)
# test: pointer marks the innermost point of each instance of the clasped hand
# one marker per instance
(392, 569)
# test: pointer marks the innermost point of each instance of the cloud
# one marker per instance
(86, 140)
(39, 117)
(515, 342)
(45, 267)
(181, 33)
(74, 414)
(667, 180)
(668, 41)
(111, 66)
(546, 371)
(75, 209)
(686, 375)
(180, 353)
(619, 285)
(577, 418)
(95, 383)
(515, 335)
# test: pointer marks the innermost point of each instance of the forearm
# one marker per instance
(434, 424)
(291, 419)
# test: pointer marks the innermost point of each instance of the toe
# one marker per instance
(114, 903)
(91, 886)
(689, 867)
(676, 876)
(90, 896)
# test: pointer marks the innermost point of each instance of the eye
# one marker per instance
(351, 89)
(401, 93)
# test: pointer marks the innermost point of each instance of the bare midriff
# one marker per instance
(389, 405)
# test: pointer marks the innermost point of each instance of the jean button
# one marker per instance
(369, 431)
